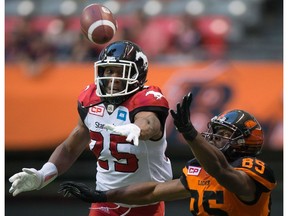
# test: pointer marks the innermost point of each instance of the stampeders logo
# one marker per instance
(97, 110)
(192, 170)
(157, 95)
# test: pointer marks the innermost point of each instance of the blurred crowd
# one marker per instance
(36, 40)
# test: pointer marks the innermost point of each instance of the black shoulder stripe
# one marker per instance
(193, 162)
(269, 174)
(83, 111)
(161, 112)
(184, 181)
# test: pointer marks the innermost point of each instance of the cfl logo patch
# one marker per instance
(192, 170)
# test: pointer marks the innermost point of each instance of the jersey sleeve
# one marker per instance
(258, 170)
(149, 99)
(88, 96)
(185, 172)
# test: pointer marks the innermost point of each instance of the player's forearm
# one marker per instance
(149, 192)
(210, 158)
(62, 159)
(70, 149)
(140, 194)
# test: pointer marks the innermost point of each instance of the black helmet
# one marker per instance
(135, 67)
(247, 135)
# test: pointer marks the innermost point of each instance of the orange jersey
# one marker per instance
(208, 197)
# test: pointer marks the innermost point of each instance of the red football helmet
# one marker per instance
(246, 137)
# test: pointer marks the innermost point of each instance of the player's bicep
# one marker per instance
(70, 149)
(148, 192)
(239, 183)
(77, 140)
(79, 137)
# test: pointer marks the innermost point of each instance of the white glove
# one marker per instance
(32, 179)
(29, 179)
(131, 131)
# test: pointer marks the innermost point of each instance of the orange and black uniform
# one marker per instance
(208, 197)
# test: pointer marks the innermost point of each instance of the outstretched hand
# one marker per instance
(182, 120)
(28, 180)
(82, 191)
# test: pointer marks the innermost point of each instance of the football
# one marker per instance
(98, 23)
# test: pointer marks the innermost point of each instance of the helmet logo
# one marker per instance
(144, 58)
(250, 124)
(157, 95)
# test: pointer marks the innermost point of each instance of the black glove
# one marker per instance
(82, 191)
(182, 118)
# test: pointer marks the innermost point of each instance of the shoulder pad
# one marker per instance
(149, 96)
(256, 169)
(88, 96)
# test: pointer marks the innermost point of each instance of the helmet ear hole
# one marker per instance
(246, 133)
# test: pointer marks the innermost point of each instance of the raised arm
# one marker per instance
(211, 158)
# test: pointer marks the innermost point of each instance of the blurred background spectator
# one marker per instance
(59, 35)
(26, 44)
(206, 29)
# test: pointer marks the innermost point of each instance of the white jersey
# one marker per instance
(120, 163)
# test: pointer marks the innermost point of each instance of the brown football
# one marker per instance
(98, 23)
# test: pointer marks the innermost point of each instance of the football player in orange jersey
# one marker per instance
(224, 178)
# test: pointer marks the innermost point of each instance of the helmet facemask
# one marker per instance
(129, 81)
(134, 65)
(226, 140)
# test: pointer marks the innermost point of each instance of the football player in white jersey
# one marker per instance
(123, 122)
